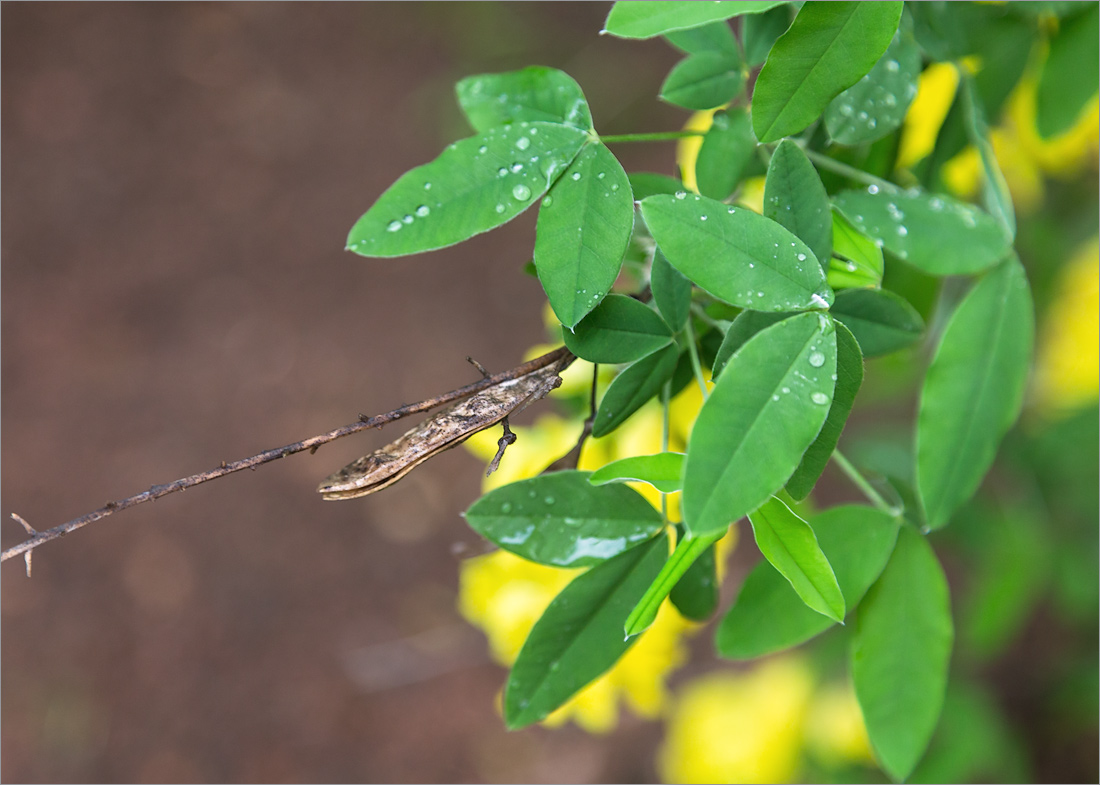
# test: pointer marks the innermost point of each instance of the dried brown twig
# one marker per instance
(38, 538)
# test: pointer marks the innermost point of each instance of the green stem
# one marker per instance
(666, 393)
(695, 364)
(861, 482)
(659, 136)
(703, 316)
(860, 176)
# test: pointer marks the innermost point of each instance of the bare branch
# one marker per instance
(38, 538)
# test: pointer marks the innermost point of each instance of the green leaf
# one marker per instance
(687, 551)
(713, 37)
(560, 519)
(619, 330)
(474, 185)
(583, 230)
(703, 81)
(671, 291)
(995, 193)
(727, 147)
(1069, 76)
(633, 19)
(579, 636)
(881, 321)
(532, 94)
(828, 47)
(973, 390)
(759, 32)
(735, 254)
(663, 471)
(632, 388)
(745, 326)
(860, 260)
(849, 377)
(789, 545)
(645, 184)
(876, 105)
(936, 234)
(795, 198)
(695, 595)
(901, 653)
(769, 617)
(766, 409)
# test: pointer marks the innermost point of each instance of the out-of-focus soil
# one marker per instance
(178, 182)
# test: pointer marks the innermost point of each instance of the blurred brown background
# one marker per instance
(178, 182)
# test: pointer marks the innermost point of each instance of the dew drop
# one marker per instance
(902, 231)
(408, 219)
(819, 398)
(423, 210)
(548, 500)
(523, 143)
(521, 192)
(576, 176)
(506, 507)
(549, 200)
(802, 257)
(892, 66)
(516, 168)
(483, 149)
(393, 226)
(817, 359)
(786, 390)
(681, 194)
(872, 189)
(702, 218)
(614, 186)
(427, 186)
(500, 208)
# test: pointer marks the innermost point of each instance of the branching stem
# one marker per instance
(155, 492)
(861, 482)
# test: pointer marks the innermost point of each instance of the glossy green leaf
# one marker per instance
(645, 184)
(795, 198)
(1069, 76)
(934, 233)
(671, 291)
(745, 326)
(995, 194)
(767, 407)
(532, 94)
(881, 321)
(901, 653)
(474, 185)
(735, 254)
(727, 147)
(664, 471)
(973, 389)
(827, 49)
(619, 330)
(768, 616)
(876, 105)
(580, 635)
(687, 551)
(649, 18)
(632, 388)
(857, 261)
(562, 520)
(695, 595)
(583, 229)
(789, 545)
(849, 377)
(760, 31)
(713, 37)
(703, 81)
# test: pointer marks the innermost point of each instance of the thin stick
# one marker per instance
(155, 492)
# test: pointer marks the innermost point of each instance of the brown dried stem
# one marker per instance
(38, 538)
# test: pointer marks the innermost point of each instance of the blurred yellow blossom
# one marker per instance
(935, 92)
(739, 726)
(687, 149)
(835, 733)
(1067, 372)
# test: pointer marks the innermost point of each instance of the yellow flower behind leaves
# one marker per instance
(756, 725)
(1067, 373)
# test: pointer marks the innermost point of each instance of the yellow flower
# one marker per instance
(935, 92)
(1067, 372)
(687, 149)
(739, 726)
(835, 733)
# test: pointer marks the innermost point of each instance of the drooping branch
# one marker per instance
(38, 538)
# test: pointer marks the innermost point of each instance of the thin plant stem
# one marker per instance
(695, 364)
(861, 482)
(659, 136)
(666, 390)
(825, 162)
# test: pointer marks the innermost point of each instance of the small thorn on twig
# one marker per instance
(502, 445)
(479, 366)
(312, 450)
(26, 526)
